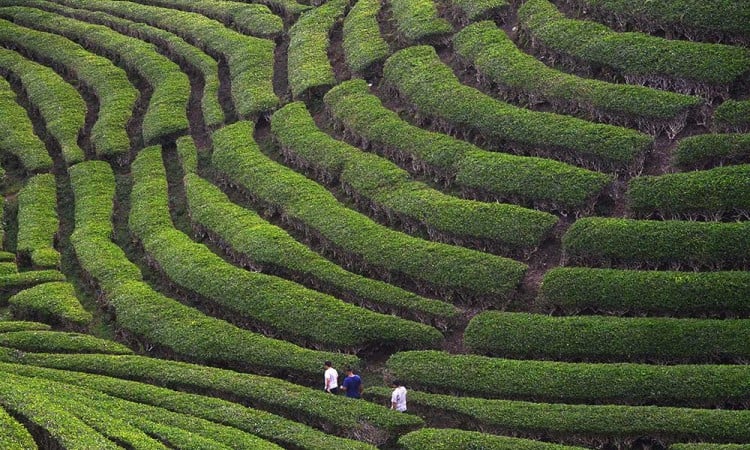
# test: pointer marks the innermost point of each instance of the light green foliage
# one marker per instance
(17, 136)
(50, 302)
(55, 341)
(38, 221)
(452, 439)
(13, 435)
(418, 21)
(363, 45)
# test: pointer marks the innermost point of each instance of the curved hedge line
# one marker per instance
(110, 85)
(418, 21)
(363, 45)
(615, 291)
(722, 192)
(21, 325)
(381, 186)
(38, 221)
(63, 342)
(709, 447)
(548, 381)
(418, 75)
(291, 311)
(309, 405)
(521, 76)
(605, 338)
(252, 241)
(308, 66)
(476, 10)
(14, 282)
(733, 115)
(590, 425)
(13, 435)
(720, 20)
(709, 150)
(249, 59)
(50, 302)
(653, 243)
(61, 107)
(17, 135)
(452, 439)
(442, 267)
(538, 182)
(682, 66)
(166, 115)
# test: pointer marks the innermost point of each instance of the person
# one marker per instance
(331, 377)
(352, 385)
(398, 397)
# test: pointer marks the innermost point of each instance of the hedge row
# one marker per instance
(291, 311)
(658, 244)
(443, 267)
(590, 425)
(15, 282)
(177, 48)
(381, 186)
(372, 422)
(251, 19)
(249, 59)
(13, 435)
(424, 81)
(309, 68)
(8, 268)
(556, 382)
(709, 447)
(61, 427)
(719, 20)
(6, 256)
(126, 423)
(38, 222)
(606, 338)
(54, 303)
(615, 291)
(709, 150)
(452, 439)
(166, 115)
(115, 95)
(61, 107)
(681, 66)
(536, 182)
(161, 321)
(55, 341)
(253, 242)
(418, 21)
(20, 325)
(722, 192)
(733, 115)
(17, 133)
(522, 77)
(475, 10)
(363, 45)
(187, 154)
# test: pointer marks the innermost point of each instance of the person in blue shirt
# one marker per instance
(352, 384)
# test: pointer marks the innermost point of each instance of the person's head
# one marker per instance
(349, 371)
(327, 364)
(395, 383)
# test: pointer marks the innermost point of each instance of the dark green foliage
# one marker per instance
(733, 115)
(308, 65)
(474, 10)
(547, 381)
(615, 291)
(528, 180)
(421, 78)
(418, 21)
(362, 43)
(451, 439)
(708, 150)
(50, 302)
(238, 157)
(654, 243)
(381, 184)
(604, 338)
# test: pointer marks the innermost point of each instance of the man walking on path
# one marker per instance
(352, 384)
(398, 397)
(331, 378)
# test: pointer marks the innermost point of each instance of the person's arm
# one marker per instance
(394, 400)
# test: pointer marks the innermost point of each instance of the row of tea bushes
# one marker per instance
(418, 21)
(60, 106)
(54, 303)
(418, 75)
(310, 207)
(17, 135)
(537, 182)
(453, 439)
(520, 76)
(13, 434)
(733, 115)
(710, 150)
(166, 114)
(12, 283)
(38, 222)
(379, 185)
(682, 66)
(467, 11)
(363, 45)
(63, 342)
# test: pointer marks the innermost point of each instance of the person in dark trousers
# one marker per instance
(331, 377)
(352, 384)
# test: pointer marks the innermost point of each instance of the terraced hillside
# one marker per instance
(534, 215)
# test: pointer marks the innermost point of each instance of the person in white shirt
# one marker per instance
(331, 377)
(398, 397)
